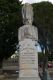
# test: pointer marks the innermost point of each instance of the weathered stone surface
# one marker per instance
(28, 56)
(28, 31)
(35, 78)
(28, 73)
(27, 14)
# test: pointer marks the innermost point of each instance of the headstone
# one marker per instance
(28, 37)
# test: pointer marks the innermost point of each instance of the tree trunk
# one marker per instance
(1, 61)
(45, 62)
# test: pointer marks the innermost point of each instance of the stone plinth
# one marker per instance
(28, 60)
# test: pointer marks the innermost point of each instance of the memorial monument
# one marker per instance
(28, 37)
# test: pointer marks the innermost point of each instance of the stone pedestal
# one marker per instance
(28, 56)
(28, 60)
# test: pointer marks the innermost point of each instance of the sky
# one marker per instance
(35, 1)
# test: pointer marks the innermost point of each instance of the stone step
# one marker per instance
(36, 78)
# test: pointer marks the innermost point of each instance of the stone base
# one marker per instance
(36, 78)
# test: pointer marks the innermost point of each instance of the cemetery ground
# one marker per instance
(9, 75)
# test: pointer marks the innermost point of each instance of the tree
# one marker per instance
(10, 20)
(43, 17)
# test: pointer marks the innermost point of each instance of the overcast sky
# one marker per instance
(35, 1)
